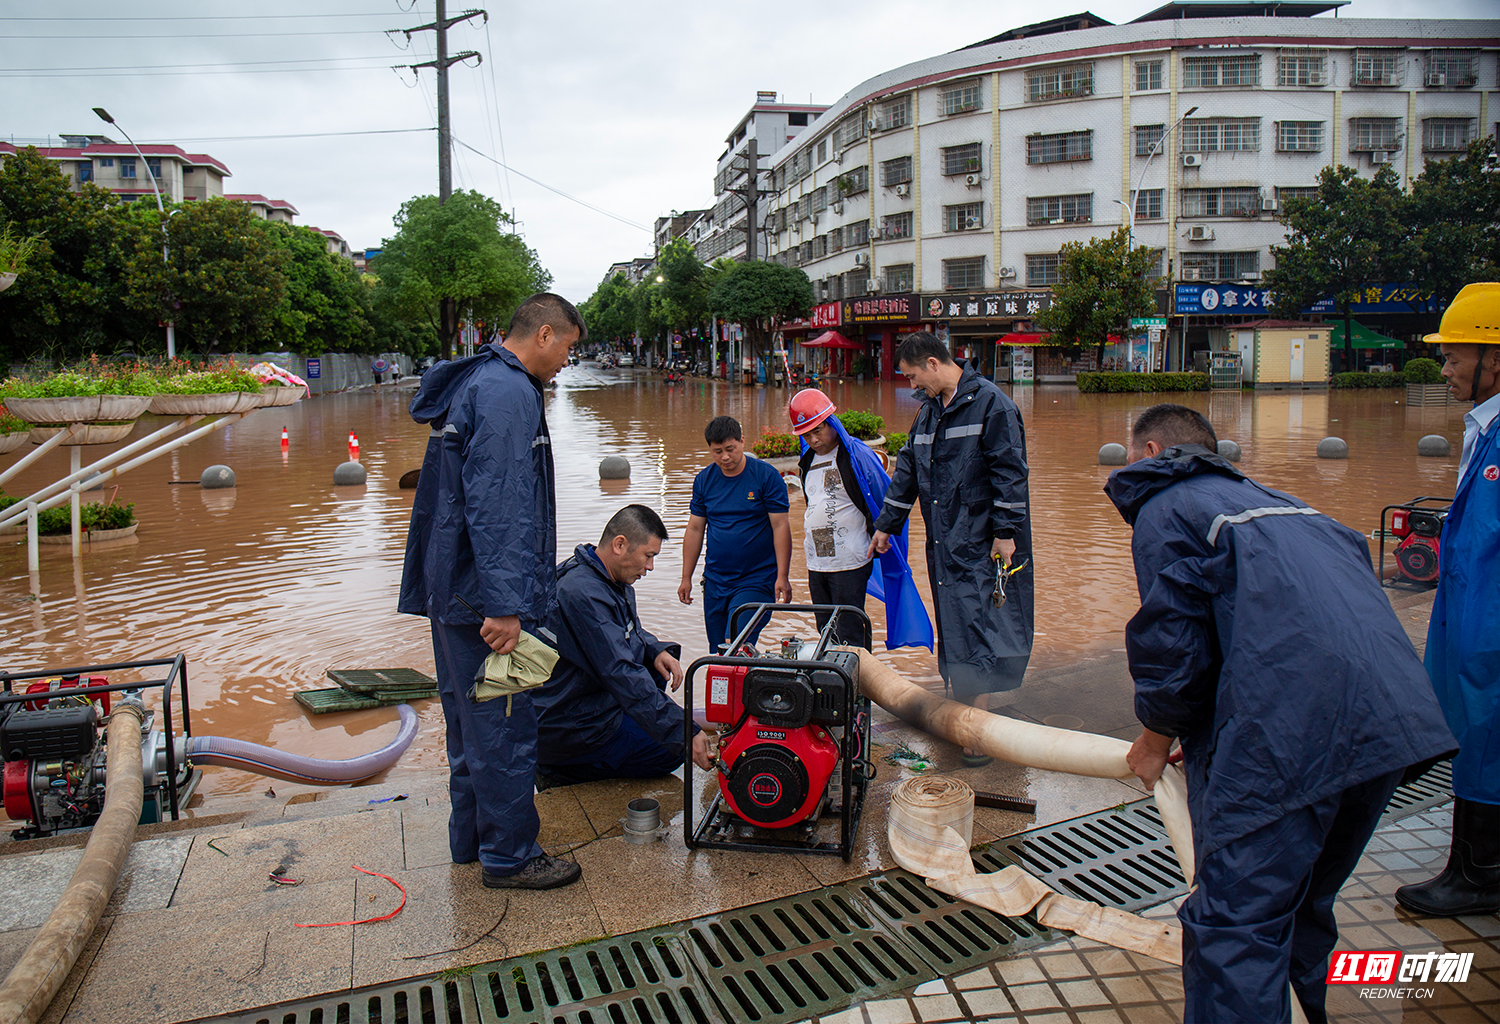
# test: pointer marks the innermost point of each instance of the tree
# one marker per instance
(1101, 286)
(609, 313)
(1351, 234)
(760, 295)
(325, 306)
(1453, 213)
(457, 261)
(685, 283)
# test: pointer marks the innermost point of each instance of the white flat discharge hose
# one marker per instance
(40, 972)
(1026, 743)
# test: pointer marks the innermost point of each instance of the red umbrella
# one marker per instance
(831, 339)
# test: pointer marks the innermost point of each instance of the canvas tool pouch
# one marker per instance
(526, 667)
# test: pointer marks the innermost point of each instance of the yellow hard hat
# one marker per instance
(1472, 318)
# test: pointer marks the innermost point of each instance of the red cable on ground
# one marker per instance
(368, 920)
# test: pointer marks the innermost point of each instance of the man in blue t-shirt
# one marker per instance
(742, 503)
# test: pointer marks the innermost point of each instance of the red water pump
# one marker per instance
(1419, 528)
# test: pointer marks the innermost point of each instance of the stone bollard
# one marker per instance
(348, 474)
(1435, 445)
(1112, 455)
(614, 467)
(1333, 448)
(216, 476)
(1229, 450)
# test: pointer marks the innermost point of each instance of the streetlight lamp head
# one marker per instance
(104, 115)
(1191, 112)
(659, 279)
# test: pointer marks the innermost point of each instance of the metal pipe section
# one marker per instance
(40, 972)
(113, 457)
(279, 764)
(37, 452)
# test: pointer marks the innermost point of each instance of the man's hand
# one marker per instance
(701, 756)
(879, 544)
(1005, 548)
(1147, 756)
(685, 591)
(670, 668)
(502, 633)
(783, 590)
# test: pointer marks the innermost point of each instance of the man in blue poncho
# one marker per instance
(844, 484)
(1463, 638)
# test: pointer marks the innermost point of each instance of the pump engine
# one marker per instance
(1418, 527)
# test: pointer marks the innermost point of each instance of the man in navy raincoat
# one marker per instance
(965, 458)
(1266, 645)
(481, 557)
(605, 713)
(1463, 637)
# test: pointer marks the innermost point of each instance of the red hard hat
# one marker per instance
(808, 408)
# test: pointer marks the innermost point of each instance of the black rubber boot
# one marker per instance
(1470, 884)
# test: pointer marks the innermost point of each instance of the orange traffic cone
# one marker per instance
(353, 447)
(285, 444)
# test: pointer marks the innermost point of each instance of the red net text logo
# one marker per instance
(1390, 966)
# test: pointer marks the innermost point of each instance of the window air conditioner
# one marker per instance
(1380, 156)
(1317, 78)
(972, 180)
(1269, 205)
(1191, 160)
(902, 190)
(838, 207)
(972, 222)
(860, 259)
(838, 157)
(1200, 233)
(1250, 275)
(1007, 272)
(1436, 81)
(873, 125)
(874, 285)
(1192, 273)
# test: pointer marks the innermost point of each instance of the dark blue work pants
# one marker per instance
(1263, 910)
(491, 760)
(629, 754)
(721, 599)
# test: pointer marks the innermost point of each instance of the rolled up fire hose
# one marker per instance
(279, 764)
(1025, 743)
(40, 972)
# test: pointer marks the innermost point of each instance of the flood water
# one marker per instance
(266, 586)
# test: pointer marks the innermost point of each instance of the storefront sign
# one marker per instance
(314, 369)
(1382, 298)
(985, 306)
(822, 317)
(1224, 298)
(1141, 322)
(886, 309)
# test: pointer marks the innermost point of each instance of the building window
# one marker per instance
(1158, 267)
(961, 159)
(822, 150)
(1377, 67)
(820, 247)
(1293, 193)
(1054, 149)
(961, 98)
(1302, 67)
(797, 120)
(857, 281)
(963, 217)
(1148, 204)
(857, 233)
(1147, 75)
(964, 275)
(820, 199)
(1299, 136)
(850, 130)
(106, 161)
(1220, 266)
(895, 114)
(153, 164)
(896, 225)
(1041, 270)
(1221, 136)
(1060, 209)
(127, 168)
(1446, 134)
(836, 240)
(851, 183)
(1374, 134)
(895, 172)
(1060, 83)
(1147, 136)
(900, 277)
(1452, 67)
(1206, 72)
(1220, 202)
(85, 171)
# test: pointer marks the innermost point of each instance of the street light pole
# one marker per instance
(1129, 222)
(1149, 157)
(160, 209)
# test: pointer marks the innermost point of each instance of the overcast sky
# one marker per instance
(624, 106)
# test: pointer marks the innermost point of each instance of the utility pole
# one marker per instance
(448, 325)
(750, 193)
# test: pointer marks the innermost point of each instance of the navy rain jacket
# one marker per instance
(605, 668)
(483, 535)
(967, 464)
(1265, 643)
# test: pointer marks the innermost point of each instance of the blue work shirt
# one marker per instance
(738, 509)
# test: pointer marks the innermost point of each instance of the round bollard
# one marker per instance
(216, 476)
(1112, 455)
(1333, 448)
(1435, 445)
(614, 467)
(348, 474)
(1229, 450)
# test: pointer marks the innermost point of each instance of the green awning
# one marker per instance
(1363, 337)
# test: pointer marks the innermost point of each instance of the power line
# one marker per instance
(211, 17)
(211, 35)
(301, 135)
(214, 64)
(558, 191)
(8, 73)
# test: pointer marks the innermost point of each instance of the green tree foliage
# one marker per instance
(1454, 216)
(325, 307)
(685, 282)
(223, 282)
(462, 251)
(1101, 287)
(610, 311)
(760, 295)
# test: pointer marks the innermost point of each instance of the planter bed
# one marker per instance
(207, 405)
(89, 536)
(93, 433)
(78, 409)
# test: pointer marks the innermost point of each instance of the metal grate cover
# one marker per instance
(1432, 789)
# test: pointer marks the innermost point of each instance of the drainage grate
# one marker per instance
(1432, 789)
(951, 936)
(799, 957)
(422, 1001)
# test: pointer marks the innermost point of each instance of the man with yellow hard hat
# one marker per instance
(1463, 638)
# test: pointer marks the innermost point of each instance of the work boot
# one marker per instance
(1470, 884)
(540, 872)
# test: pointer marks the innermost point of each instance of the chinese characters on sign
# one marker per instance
(823, 316)
(890, 309)
(1385, 970)
(990, 306)
(1382, 298)
(1224, 298)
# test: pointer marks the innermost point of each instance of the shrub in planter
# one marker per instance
(776, 446)
(94, 516)
(1099, 383)
(12, 424)
(863, 425)
(1360, 379)
(184, 379)
(83, 381)
(1422, 371)
(894, 443)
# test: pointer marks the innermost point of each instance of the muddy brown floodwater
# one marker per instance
(266, 586)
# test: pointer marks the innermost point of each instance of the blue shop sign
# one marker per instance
(314, 368)
(1224, 298)
(1382, 298)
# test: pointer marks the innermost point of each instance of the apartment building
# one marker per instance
(116, 166)
(945, 187)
